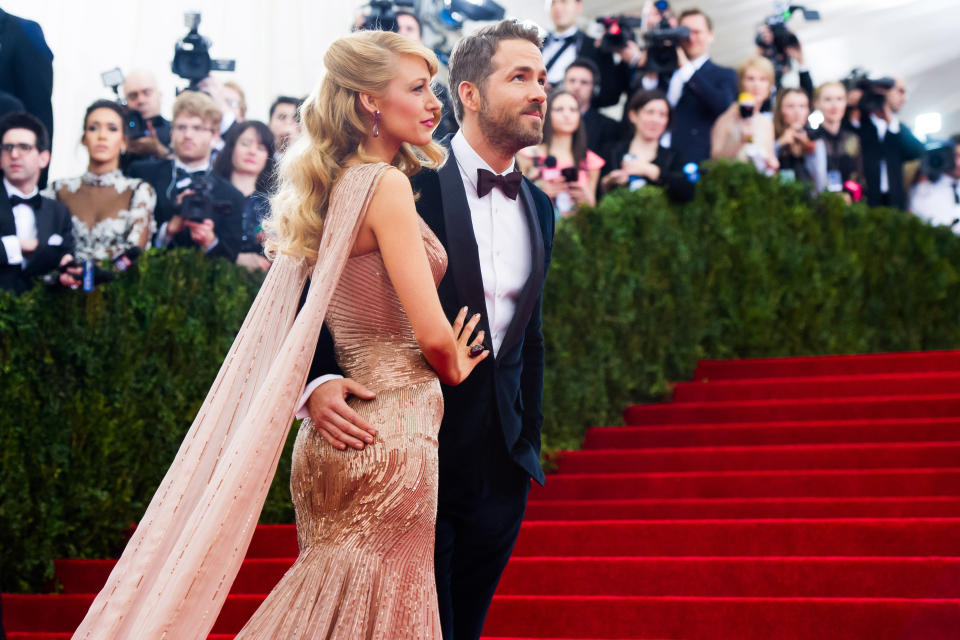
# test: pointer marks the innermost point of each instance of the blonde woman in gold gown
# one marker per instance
(345, 216)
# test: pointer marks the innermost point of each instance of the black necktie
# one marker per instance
(33, 203)
(509, 183)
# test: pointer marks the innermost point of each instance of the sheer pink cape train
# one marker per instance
(177, 569)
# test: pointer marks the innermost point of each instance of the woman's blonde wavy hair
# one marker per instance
(334, 128)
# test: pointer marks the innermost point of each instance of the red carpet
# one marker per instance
(794, 498)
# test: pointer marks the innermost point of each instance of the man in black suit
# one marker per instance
(886, 144)
(497, 228)
(36, 233)
(183, 220)
(581, 80)
(26, 69)
(142, 93)
(698, 91)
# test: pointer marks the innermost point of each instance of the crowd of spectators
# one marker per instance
(203, 177)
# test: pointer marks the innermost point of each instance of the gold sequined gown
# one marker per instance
(366, 519)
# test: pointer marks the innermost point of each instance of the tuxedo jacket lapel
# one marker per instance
(8, 225)
(531, 289)
(463, 258)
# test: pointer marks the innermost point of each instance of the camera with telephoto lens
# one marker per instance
(191, 55)
(939, 157)
(874, 95)
(381, 15)
(774, 46)
(134, 125)
(617, 32)
(662, 42)
(200, 204)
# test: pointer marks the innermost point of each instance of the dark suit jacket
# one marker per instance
(672, 177)
(26, 66)
(896, 149)
(705, 96)
(503, 393)
(602, 132)
(52, 218)
(227, 225)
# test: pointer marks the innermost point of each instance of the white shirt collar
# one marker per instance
(566, 34)
(177, 164)
(699, 62)
(13, 191)
(469, 160)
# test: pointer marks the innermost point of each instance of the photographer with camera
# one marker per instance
(111, 212)
(142, 94)
(795, 139)
(886, 142)
(195, 207)
(35, 232)
(936, 195)
(699, 91)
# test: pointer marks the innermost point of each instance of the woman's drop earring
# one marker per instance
(376, 123)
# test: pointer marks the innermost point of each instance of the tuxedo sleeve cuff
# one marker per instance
(213, 245)
(162, 239)
(11, 244)
(308, 390)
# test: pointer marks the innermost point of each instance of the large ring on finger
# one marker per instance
(476, 350)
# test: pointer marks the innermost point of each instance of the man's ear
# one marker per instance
(368, 103)
(470, 96)
(44, 159)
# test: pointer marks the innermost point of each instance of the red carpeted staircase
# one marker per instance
(781, 499)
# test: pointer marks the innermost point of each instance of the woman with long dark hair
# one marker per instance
(111, 212)
(562, 165)
(246, 160)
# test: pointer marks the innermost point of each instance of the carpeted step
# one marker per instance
(750, 484)
(621, 616)
(769, 577)
(831, 456)
(907, 362)
(860, 408)
(904, 384)
(732, 508)
(771, 433)
(700, 618)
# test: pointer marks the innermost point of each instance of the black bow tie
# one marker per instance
(183, 173)
(572, 39)
(509, 183)
(33, 203)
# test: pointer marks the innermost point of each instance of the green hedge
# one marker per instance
(98, 389)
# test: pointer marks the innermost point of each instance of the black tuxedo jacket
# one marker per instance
(53, 219)
(228, 226)
(602, 131)
(896, 148)
(26, 66)
(705, 96)
(506, 392)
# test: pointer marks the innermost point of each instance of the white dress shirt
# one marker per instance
(938, 202)
(550, 48)
(25, 220)
(503, 246)
(882, 127)
(503, 241)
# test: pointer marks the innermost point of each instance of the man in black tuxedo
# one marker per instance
(26, 69)
(698, 91)
(886, 144)
(216, 230)
(497, 228)
(36, 233)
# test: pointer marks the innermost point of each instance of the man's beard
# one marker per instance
(506, 131)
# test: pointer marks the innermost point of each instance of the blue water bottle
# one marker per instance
(88, 275)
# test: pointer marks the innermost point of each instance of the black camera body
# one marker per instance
(618, 31)
(939, 157)
(191, 55)
(874, 94)
(382, 14)
(134, 125)
(200, 204)
(662, 44)
(775, 49)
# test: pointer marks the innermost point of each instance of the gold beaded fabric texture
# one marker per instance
(366, 519)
